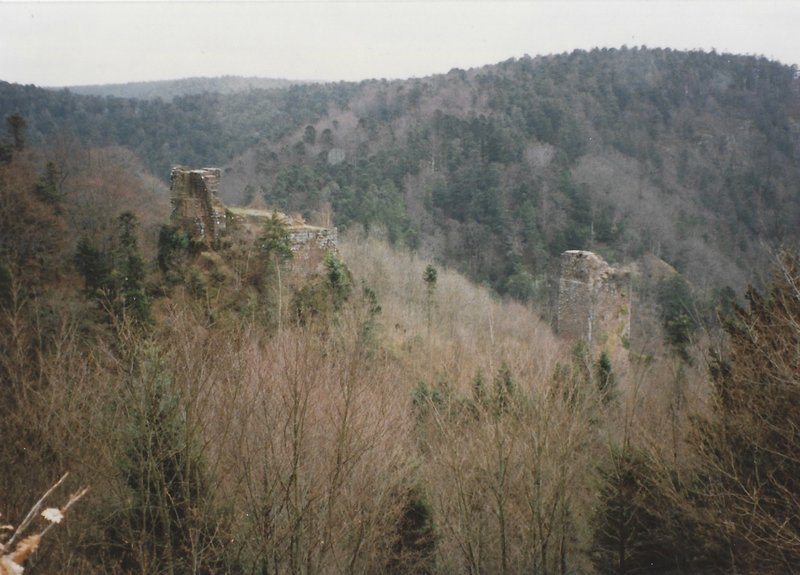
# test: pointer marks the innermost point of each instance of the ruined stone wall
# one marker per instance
(323, 239)
(594, 301)
(198, 211)
(302, 237)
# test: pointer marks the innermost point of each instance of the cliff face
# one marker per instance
(199, 212)
(594, 302)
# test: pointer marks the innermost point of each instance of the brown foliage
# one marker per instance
(310, 442)
(750, 448)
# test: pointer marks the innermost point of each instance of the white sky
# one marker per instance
(69, 43)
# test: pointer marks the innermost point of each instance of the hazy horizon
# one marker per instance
(75, 44)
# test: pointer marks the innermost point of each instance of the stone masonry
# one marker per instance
(594, 302)
(198, 210)
(195, 206)
(301, 235)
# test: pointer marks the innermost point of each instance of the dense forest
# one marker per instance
(402, 405)
(690, 156)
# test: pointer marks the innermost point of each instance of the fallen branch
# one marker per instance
(11, 561)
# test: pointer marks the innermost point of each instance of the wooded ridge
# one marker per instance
(691, 156)
(401, 404)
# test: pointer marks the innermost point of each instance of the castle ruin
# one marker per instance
(195, 206)
(594, 302)
(200, 213)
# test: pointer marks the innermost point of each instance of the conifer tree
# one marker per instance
(339, 280)
(129, 268)
(164, 474)
(16, 127)
(606, 381)
(116, 276)
(48, 188)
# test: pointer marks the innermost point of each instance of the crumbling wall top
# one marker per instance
(588, 267)
(583, 266)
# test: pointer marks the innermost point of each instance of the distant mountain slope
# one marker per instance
(687, 155)
(691, 156)
(169, 89)
(200, 129)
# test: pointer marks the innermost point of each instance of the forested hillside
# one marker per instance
(234, 410)
(690, 156)
(235, 407)
(196, 129)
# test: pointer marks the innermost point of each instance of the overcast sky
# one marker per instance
(68, 43)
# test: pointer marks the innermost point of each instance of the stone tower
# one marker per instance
(594, 302)
(195, 206)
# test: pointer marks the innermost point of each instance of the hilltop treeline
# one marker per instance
(691, 156)
(192, 129)
(169, 89)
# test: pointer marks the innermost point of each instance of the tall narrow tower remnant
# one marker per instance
(195, 206)
(594, 301)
